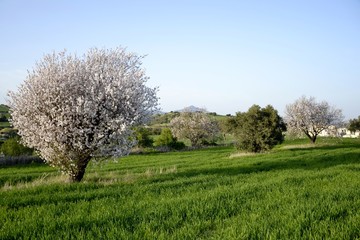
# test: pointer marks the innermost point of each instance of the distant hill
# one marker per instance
(191, 109)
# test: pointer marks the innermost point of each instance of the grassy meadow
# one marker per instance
(297, 191)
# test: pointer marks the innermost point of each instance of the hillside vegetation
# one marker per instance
(4, 116)
(297, 191)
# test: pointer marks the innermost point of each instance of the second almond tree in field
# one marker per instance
(198, 127)
(309, 117)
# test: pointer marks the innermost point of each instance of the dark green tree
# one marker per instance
(167, 139)
(354, 124)
(143, 137)
(258, 129)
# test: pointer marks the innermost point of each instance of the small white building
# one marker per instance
(333, 131)
(348, 134)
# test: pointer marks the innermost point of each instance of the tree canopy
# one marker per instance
(195, 126)
(71, 109)
(258, 129)
(354, 124)
(310, 117)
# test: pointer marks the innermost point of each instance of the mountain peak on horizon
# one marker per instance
(192, 108)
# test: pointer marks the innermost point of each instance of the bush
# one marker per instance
(143, 137)
(155, 130)
(166, 139)
(258, 129)
(12, 147)
(177, 145)
(354, 124)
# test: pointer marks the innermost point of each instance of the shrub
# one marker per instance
(354, 124)
(168, 140)
(12, 147)
(155, 130)
(143, 137)
(258, 129)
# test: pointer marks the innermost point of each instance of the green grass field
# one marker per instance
(297, 191)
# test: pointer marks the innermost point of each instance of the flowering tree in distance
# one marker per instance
(72, 108)
(309, 117)
(195, 126)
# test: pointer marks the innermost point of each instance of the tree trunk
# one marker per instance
(78, 173)
(311, 137)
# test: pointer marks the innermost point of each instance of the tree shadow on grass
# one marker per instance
(307, 161)
(321, 147)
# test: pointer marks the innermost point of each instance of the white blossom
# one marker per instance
(309, 117)
(195, 126)
(74, 108)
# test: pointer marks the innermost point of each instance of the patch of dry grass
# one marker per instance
(243, 154)
(306, 146)
(129, 177)
(45, 179)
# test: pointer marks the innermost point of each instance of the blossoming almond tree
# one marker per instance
(195, 126)
(71, 109)
(310, 117)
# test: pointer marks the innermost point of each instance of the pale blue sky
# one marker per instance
(222, 55)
